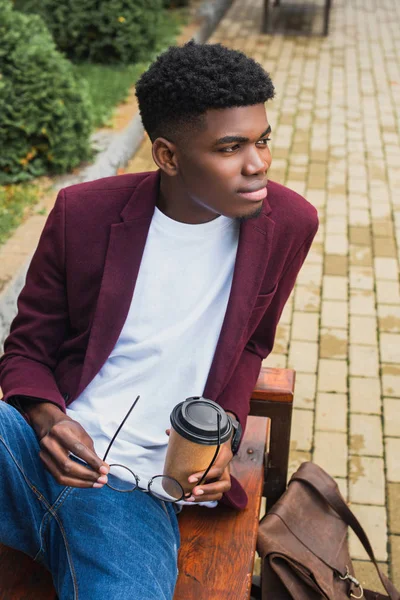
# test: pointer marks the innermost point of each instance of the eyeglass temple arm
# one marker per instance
(119, 428)
(215, 455)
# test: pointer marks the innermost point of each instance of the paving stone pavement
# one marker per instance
(335, 122)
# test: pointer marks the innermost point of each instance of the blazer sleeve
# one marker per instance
(30, 350)
(237, 393)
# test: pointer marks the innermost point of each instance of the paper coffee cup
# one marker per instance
(194, 438)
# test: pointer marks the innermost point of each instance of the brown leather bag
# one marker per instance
(303, 543)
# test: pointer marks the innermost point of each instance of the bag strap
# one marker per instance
(326, 487)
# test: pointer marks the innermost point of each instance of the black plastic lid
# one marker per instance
(196, 420)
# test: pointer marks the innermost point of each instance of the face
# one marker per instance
(222, 169)
(218, 169)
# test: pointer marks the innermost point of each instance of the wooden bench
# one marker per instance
(218, 545)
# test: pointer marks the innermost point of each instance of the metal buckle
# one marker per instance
(354, 581)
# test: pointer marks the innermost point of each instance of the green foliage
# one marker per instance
(101, 31)
(108, 86)
(176, 3)
(13, 201)
(45, 118)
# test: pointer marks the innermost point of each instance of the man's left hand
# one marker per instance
(218, 480)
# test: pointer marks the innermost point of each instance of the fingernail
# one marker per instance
(98, 485)
(102, 479)
(104, 470)
(193, 479)
(191, 499)
(199, 492)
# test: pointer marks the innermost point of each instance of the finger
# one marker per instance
(208, 493)
(204, 498)
(194, 500)
(69, 441)
(65, 479)
(212, 498)
(222, 463)
(64, 465)
(214, 473)
(220, 486)
(217, 487)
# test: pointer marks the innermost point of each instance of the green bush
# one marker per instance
(14, 202)
(45, 118)
(101, 31)
(176, 3)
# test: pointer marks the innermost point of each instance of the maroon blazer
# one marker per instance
(82, 276)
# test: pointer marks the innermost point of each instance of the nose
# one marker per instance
(256, 161)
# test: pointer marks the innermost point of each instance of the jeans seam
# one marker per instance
(69, 556)
(47, 518)
(34, 489)
(62, 496)
(166, 511)
(42, 530)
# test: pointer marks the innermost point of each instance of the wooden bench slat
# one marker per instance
(274, 384)
(23, 579)
(209, 534)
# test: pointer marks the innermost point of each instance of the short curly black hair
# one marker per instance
(184, 82)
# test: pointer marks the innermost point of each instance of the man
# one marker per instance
(161, 285)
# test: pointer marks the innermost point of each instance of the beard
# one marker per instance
(256, 213)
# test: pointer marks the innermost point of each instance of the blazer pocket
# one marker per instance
(263, 300)
(260, 307)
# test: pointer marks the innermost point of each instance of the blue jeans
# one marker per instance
(97, 543)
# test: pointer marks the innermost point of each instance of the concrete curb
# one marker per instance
(8, 300)
(117, 150)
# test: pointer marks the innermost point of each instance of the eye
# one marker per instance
(229, 149)
(264, 141)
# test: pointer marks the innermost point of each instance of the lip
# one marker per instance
(255, 195)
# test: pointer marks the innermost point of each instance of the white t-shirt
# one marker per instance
(167, 344)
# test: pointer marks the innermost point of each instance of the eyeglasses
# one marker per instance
(163, 487)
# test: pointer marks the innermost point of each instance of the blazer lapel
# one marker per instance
(251, 261)
(124, 254)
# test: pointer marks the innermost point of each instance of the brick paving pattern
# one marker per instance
(335, 121)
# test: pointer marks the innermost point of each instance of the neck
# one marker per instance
(174, 201)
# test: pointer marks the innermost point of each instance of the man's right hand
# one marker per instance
(59, 436)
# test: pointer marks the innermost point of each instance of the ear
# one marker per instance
(165, 157)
